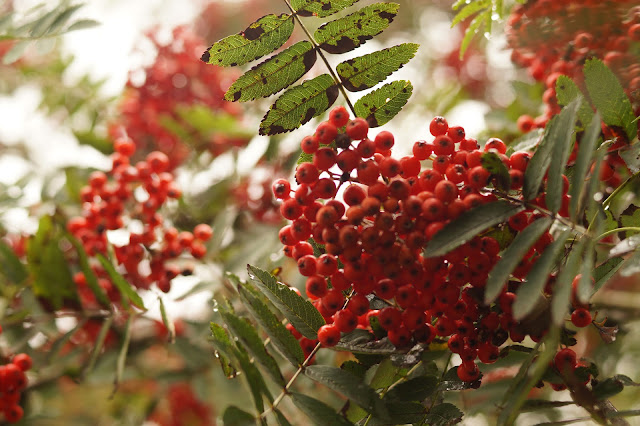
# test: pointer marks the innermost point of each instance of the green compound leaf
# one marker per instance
(494, 165)
(567, 91)
(127, 292)
(562, 290)
(381, 105)
(468, 225)
(10, 265)
(301, 313)
(345, 34)
(300, 104)
(233, 416)
(605, 271)
(320, 413)
(274, 74)
(609, 98)
(477, 24)
(350, 386)
(260, 38)
(583, 161)
(444, 414)
(366, 71)
(320, 8)
(416, 389)
(468, 10)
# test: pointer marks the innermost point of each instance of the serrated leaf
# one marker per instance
(368, 70)
(320, 8)
(608, 96)
(381, 105)
(234, 416)
(10, 265)
(304, 158)
(566, 92)
(526, 142)
(92, 280)
(351, 31)
(605, 271)
(468, 225)
(274, 74)
(416, 389)
(468, 10)
(474, 28)
(280, 337)
(532, 287)
(348, 385)
(581, 167)
(260, 38)
(319, 412)
(444, 414)
(301, 313)
(562, 289)
(126, 291)
(248, 335)
(300, 104)
(493, 164)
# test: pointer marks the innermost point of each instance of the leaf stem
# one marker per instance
(323, 57)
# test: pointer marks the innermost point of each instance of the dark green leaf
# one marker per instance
(355, 368)
(299, 104)
(468, 225)
(10, 265)
(605, 271)
(171, 328)
(319, 412)
(494, 165)
(368, 70)
(566, 92)
(126, 291)
(401, 412)
(583, 161)
(537, 167)
(416, 389)
(607, 388)
(608, 96)
(349, 32)
(444, 414)
(282, 420)
(381, 105)
(301, 313)
(560, 138)
(468, 10)
(320, 8)
(512, 256)
(280, 337)
(625, 380)
(92, 280)
(363, 342)
(233, 416)
(274, 74)
(562, 289)
(260, 38)
(631, 156)
(348, 385)
(531, 289)
(543, 404)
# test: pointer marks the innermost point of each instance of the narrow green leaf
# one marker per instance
(282, 420)
(608, 96)
(583, 161)
(474, 28)
(561, 141)
(566, 92)
(260, 38)
(301, 313)
(543, 404)
(348, 385)
(98, 345)
(122, 355)
(62, 18)
(384, 103)
(62, 341)
(468, 225)
(494, 165)
(126, 291)
(249, 336)
(299, 104)
(512, 256)
(531, 288)
(320, 8)
(368, 70)
(468, 10)
(319, 412)
(280, 337)
(416, 389)
(92, 280)
(274, 74)
(167, 321)
(233, 416)
(607, 388)
(585, 286)
(351, 31)
(605, 271)
(82, 24)
(39, 27)
(562, 290)
(10, 265)
(444, 414)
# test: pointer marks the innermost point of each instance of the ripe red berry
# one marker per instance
(384, 140)
(339, 116)
(566, 358)
(309, 144)
(581, 317)
(326, 132)
(438, 126)
(328, 335)
(357, 128)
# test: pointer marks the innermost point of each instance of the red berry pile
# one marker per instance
(128, 198)
(551, 37)
(373, 215)
(12, 382)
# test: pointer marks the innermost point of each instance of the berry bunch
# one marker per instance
(128, 198)
(551, 38)
(372, 216)
(12, 382)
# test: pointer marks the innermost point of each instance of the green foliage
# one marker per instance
(347, 33)
(443, 415)
(483, 10)
(127, 293)
(300, 104)
(583, 161)
(366, 71)
(319, 412)
(320, 8)
(381, 105)
(234, 416)
(499, 172)
(10, 266)
(260, 38)
(566, 92)
(416, 389)
(562, 289)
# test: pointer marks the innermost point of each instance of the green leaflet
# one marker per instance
(10, 265)
(274, 74)
(567, 91)
(299, 104)
(126, 291)
(468, 10)
(381, 105)
(320, 8)
(345, 34)
(233, 416)
(494, 165)
(609, 98)
(444, 414)
(260, 38)
(582, 163)
(474, 28)
(319, 412)
(366, 71)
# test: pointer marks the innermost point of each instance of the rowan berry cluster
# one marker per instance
(372, 216)
(175, 80)
(128, 198)
(551, 38)
(12, 382)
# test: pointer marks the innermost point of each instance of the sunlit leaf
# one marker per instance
(320, 8)
(384, 103)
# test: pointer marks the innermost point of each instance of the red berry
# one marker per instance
(328, 335)
(566, 358)
(438, 126)
(357, 128)
(581, 317)
(326, 132)
(339, 116)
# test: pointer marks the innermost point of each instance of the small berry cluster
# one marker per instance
(176, 79)
(551, 38)
(128, 198)
(12, 382)
(372, 234)
(180, 407)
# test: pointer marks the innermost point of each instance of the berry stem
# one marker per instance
(323, 57)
